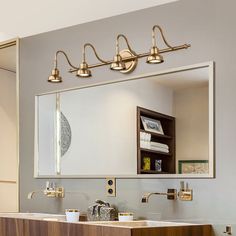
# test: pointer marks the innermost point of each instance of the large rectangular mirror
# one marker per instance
(159, 125)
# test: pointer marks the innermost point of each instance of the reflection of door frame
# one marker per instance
(6, 44)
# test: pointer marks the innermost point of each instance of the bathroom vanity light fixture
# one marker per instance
(124, 61)
(155, 57)
(119, 63)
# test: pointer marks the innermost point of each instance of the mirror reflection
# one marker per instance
(154, 126)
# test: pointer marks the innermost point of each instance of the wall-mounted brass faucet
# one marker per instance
(171, 195)
(51, 191)
(185, 194)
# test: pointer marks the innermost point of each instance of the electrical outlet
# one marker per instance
(111, 187)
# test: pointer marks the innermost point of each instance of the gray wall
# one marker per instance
(209, 25)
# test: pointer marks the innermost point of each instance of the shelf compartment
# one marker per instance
(168, 138)
(154, 151)
(156, 135)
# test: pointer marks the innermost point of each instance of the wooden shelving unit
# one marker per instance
(168, 159)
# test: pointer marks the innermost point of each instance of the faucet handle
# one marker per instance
(182, 185)
(48, 184)
(185, 194)
(53, 185)
(60, 192)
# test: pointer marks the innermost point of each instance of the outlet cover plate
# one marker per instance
(111, 187)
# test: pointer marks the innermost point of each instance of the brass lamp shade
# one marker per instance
(117, 63)
(155, 57)
(84, 71)
(55, 76)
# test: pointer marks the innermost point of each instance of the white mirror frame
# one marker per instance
(211, 173)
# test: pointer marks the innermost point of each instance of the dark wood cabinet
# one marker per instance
(168, 138)
(27, 227)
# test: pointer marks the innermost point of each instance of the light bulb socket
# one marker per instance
(154, 50)
(55, 72)
(83, 65)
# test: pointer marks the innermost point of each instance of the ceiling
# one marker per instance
(26, 17)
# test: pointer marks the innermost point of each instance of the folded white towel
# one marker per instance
(161, 145)
(145, 136)
(159, 149)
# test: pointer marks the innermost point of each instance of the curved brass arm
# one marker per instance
(127, 42)
(63, 53)
(154, 43)
(95, 52)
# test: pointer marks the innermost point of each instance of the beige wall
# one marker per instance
(191, 112)
(8, 197)
(8, 141)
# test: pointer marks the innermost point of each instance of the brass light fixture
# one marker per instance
(83, 70)
(118, 64)
(124, 61)
(155, 57)
(55, 74)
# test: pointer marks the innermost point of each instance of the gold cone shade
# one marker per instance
(155, 57)
(55, 76)
(83, 70)
(117, 63)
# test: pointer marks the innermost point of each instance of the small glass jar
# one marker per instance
(146, 163)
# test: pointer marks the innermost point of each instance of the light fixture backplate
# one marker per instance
(131, 64)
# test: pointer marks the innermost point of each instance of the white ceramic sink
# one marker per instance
(34, 216)
(139, 224)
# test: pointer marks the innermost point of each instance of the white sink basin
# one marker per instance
(139, 224)
(34, 216)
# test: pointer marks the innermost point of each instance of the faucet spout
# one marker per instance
(31, 194)
(50, 191)
(171, 195)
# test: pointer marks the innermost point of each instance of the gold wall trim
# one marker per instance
(7, 45)
(2, 68)
(7, 182)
